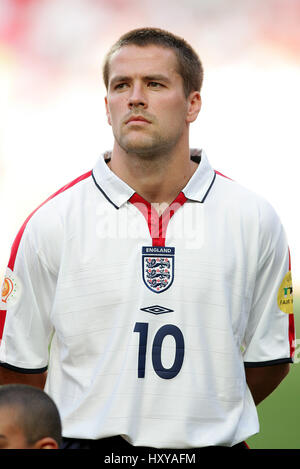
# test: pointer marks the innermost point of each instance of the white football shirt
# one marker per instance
(151, 318)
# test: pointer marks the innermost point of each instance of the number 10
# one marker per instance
(160, 370)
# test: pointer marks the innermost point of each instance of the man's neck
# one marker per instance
(159, 179)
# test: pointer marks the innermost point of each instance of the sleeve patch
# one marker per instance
(285, 294)
(11, 289)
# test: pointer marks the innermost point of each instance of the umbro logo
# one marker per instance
(156, 309)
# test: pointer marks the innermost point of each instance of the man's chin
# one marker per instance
(144, 148)
(141, 149)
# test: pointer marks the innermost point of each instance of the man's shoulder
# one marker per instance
(48, 215)
(70, 189)
(237, 190)
(246, 201)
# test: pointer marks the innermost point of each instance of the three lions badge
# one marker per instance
(158, 267)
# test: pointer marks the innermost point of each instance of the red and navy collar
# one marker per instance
(117, 192)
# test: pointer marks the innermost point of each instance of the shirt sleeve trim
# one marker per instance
(28, 371)
(267, 363)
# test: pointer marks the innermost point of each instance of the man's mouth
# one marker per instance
(137, 119)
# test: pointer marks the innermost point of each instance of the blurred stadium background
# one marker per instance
(53, 125)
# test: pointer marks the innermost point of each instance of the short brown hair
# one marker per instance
(189, 65)
(37, 414)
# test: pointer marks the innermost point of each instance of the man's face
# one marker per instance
(11, 435)
(146, 105)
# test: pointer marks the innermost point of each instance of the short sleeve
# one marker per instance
(27, 295)
(270, 332)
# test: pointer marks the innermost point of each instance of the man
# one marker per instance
(165, 285)
(29, 419)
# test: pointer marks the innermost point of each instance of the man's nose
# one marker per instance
(137, 97)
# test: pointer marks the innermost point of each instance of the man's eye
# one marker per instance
(120, 86)
(154, 84)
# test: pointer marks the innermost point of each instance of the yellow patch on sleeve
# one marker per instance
(285, 294)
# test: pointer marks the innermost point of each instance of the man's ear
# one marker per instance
(107, 111)
(194, 106)
(46, 443)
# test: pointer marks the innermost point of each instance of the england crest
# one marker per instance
(158, 267)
